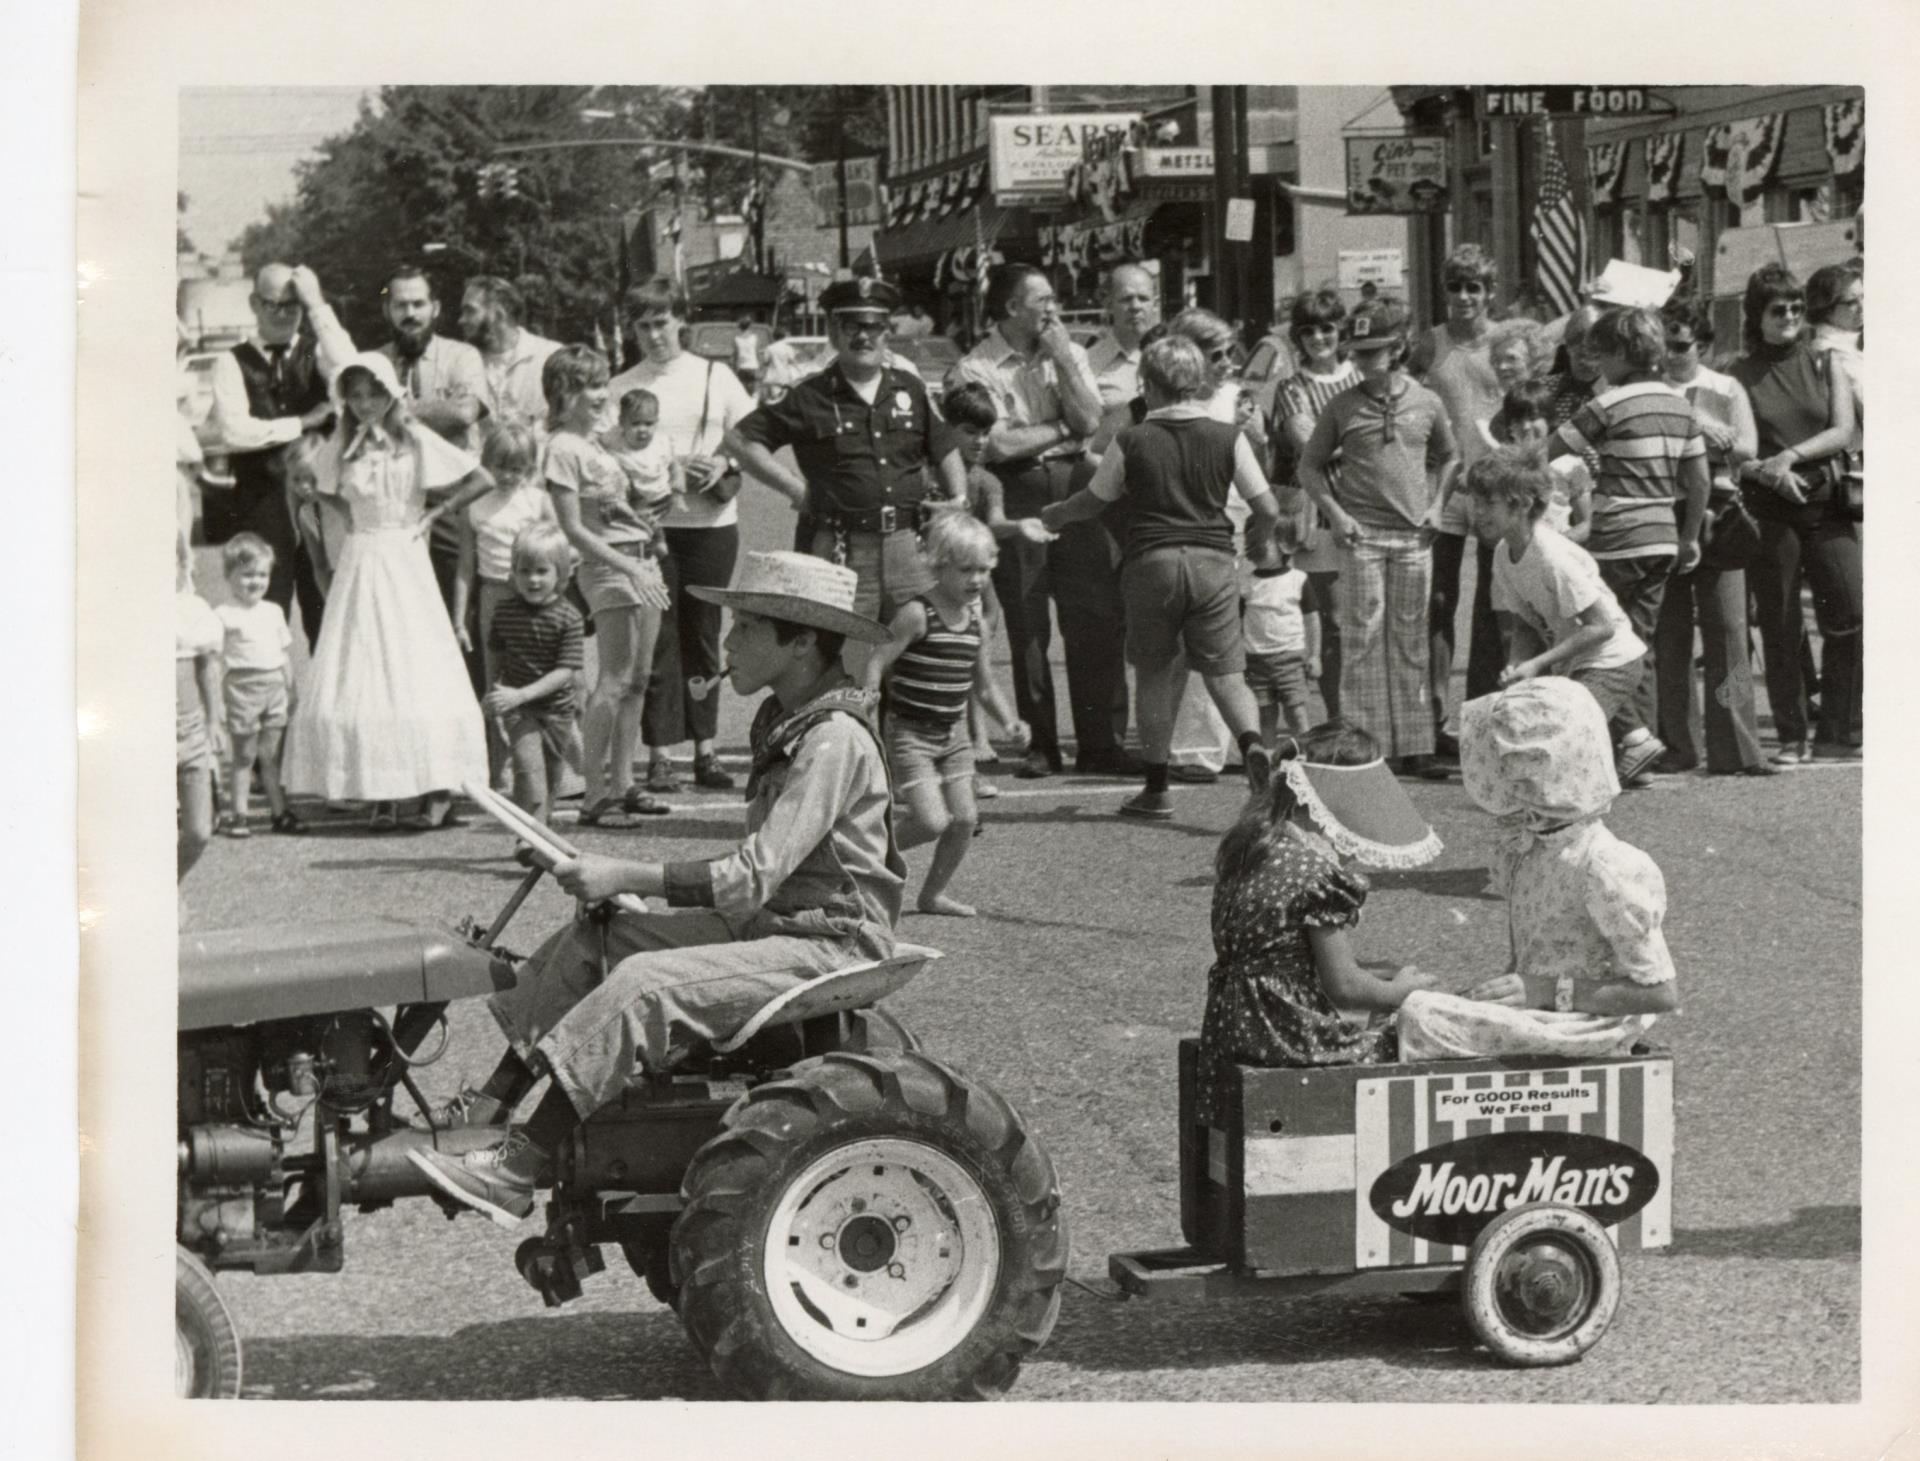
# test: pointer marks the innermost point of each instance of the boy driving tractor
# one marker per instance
(816, 885)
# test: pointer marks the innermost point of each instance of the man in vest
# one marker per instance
(267, 391)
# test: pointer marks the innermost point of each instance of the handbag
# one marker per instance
(725, 487)
(1840, 476)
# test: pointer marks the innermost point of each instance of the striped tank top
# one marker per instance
(934, 675)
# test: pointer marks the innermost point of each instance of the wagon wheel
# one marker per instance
(206, 1342)
(1542, 1283)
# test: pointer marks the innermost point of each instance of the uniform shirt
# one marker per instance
(856, 458)
(446, 370)
(255, 638)
(1026, 389)
(1641, 433)
(1278, 602)
(526, 641)
(511, 380)
(1550, 588)
(819, 851)
(1384, 483)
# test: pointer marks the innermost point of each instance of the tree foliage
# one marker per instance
(418, 178)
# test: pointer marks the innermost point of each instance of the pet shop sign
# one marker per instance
(1398, 174)
(1031, 152)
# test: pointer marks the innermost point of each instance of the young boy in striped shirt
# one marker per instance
(534, 649)
(1649, 496)
(936, 657)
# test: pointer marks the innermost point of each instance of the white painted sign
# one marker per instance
(1031, 152)
(1382, 268)
(1239, 220)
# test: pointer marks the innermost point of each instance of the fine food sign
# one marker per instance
(1567, 101)
(1447, 1193)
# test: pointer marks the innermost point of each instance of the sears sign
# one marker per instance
(1447, 1193)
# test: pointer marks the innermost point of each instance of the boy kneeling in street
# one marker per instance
(1176, 470)
(815, 886)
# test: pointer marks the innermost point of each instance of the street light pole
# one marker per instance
(840, 174)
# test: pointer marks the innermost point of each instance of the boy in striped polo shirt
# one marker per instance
(1649, 495)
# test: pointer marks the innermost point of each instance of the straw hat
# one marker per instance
(800, 589)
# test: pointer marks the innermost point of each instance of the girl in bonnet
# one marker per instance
(387, 711)
(1590, 966)
(1285, 988)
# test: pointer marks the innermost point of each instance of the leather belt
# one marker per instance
(875, 520)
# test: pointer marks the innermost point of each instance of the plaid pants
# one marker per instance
(1385, 580)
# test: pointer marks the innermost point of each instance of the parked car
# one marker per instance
(932, 355)
(714, 339)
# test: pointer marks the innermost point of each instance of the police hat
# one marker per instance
(862, 295)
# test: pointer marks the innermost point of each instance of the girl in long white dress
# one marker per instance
(387, 710)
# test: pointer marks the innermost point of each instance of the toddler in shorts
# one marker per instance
(535, 646)
(257, 688)
(936, 658)
(1281, 622)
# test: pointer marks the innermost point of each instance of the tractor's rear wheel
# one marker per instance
(875, 1227)
(206, 1342)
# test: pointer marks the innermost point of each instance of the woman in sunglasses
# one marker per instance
(1805, 414)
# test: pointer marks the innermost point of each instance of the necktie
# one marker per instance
(277, 369)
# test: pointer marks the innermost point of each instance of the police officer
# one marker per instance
(862, 431)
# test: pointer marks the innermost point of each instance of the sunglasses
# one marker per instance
(864, 326)
(1785, 310)
(1680, 347)
(1220, 353)
(1465, 286)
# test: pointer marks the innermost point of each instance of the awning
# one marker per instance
(925, 241)
(743, 289)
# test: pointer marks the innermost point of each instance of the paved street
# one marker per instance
(1068, 995)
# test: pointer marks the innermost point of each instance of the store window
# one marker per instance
(1622, 233)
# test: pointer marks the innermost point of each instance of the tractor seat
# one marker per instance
(851, 988)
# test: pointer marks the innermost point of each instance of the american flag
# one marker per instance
(1559, 232)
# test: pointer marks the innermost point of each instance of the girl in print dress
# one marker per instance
(1285, 988)
(387, 711)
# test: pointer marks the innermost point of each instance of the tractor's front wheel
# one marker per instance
(206, 1341)
(872, 1227)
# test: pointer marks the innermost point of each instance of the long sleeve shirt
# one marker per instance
(239, 428)
(819, 854)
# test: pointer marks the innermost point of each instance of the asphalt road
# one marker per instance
(1068, 995)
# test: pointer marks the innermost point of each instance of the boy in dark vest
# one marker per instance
(815, 886)
(1177, 576)
(267, 392)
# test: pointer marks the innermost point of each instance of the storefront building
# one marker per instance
(1709, 179)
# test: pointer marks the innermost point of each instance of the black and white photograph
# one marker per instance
(1083, 741)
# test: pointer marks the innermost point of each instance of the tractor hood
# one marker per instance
(241, 976)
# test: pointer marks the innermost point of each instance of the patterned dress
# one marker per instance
(1265, 1005)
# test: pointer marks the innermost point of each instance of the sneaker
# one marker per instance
(483, 1179)
(984, 790)
(1834, 751)
(1149, 806)
(472, 1107)
(707, 774)
(1791, 753)
(1639, 757)
(1192, 775)
(1259, 769)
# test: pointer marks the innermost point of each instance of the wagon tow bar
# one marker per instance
(1117, 1295)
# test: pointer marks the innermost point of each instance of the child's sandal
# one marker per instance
(637, 803)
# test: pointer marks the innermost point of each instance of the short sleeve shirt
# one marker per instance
(700, 402)
(1551, 587)
(1027, 391)
(857, 458)
(447, 370)
(254, 638)
(1388, 448)
(496, 519)
(580, 465)
(1641, 433)
(525, 642)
